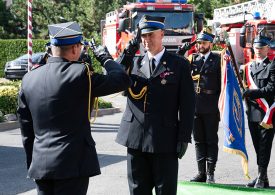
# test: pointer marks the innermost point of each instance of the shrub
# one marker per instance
(13, 48)
(104, 104)
(8, 99)
(1, 117)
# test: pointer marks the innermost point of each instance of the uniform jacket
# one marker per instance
(210, 79)
(164, 116)
(264, 78)
(53, 116)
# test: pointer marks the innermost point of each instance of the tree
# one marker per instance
(88, 13)
(207, 6)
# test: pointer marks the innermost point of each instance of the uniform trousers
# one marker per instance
(75, 186)
(149, 170)
(262, 141)
(206, 136)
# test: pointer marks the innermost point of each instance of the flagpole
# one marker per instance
(236, 69)
(29, 34)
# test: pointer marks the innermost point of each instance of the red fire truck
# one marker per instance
(119, 25)
(244, 22)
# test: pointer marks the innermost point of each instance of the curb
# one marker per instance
(10, 125)
(106, 111)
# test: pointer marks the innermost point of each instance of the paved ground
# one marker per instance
(113, 180)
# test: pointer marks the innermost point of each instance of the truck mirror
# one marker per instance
(123, 24)
(272, 44)
(199, 17)
(242, 37)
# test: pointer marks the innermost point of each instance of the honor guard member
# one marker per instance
(53, 111)
(206, 74)
(157, 123)
(260, 79)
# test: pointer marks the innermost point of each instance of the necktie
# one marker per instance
(202, 61)
(152, 65)
(257, 65)
(202, 58)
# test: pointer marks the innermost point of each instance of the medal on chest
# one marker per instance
(163, 81)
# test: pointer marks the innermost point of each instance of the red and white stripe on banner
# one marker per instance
(29, 34)
(269, 111)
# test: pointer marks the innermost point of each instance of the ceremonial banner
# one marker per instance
(232, 113)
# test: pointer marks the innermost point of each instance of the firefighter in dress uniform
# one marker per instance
(53, 111)
(260, 79)
(206, 74)
(157, 123)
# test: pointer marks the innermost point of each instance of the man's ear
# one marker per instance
(73, 48)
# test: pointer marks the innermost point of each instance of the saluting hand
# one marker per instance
(134, 44)
(102, 54)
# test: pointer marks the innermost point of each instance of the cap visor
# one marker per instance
(259, 45)
(201, 40)
(149, 30)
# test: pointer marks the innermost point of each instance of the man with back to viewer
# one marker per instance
(53, 113)
(157, 123)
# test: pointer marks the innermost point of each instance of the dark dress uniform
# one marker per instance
(53, 116)
(207, 84)
(152, 126)
(263, 74)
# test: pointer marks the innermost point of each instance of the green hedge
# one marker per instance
(8, 99)
(13, 48)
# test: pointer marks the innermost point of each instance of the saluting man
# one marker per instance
(206, 74)
(157, 124)
(260, 78)
(54, 112)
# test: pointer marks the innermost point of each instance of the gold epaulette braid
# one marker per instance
(90, 95)
(140, 95)
(196, 77)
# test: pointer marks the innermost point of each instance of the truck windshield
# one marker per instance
(268, 31)
(176, 23)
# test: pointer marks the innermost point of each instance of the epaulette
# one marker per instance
(190, 57)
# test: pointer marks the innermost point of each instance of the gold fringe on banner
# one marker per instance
(244, 159)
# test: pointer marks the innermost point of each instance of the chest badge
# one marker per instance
(163, 81)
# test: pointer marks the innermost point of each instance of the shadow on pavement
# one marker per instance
(13, 171)
(106, 160)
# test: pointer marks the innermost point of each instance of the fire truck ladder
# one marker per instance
(235, 13)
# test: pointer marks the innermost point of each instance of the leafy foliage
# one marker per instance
(207, 6)
(104, 104)
(8, 99)
(13, 48)
(88, 13)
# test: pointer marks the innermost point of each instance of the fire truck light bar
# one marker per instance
(162, 1)
(150, 7)
(177, 8)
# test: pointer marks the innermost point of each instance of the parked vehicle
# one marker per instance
(17, 68)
